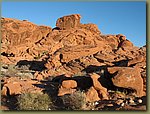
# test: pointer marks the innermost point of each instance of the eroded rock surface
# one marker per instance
(93, 62)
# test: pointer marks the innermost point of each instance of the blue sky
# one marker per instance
(128, 18)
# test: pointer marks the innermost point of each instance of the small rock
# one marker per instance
(92, 95)
(144, 66)
(140, 101)
(69, 84)
(96, 103)
(4, 91)
(122, 104)
(118, 102)
(110, 105)
(131, 101)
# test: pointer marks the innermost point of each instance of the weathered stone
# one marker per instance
(68, 22)
(38, 76)
(21, 35)
(136, 60)
(62, 91)
(126, 43)
(92, 95)
(121, 37)
(91, 27)
(69, 84)
(127, 78)
(97, 85)
(4, 91)
(69, 49)
(14, 86)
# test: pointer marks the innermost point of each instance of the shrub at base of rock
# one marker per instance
(34, 101)
(75, 101)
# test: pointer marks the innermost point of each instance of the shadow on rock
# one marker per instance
(121, 63)
(94, 68)
(10, 102)
(83, 82)
(32, 65)
(51, 88)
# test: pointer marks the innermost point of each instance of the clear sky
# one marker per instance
(128, 18)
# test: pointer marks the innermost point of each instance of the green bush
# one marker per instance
(34, 101)
(74, 101)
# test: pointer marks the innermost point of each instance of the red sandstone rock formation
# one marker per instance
(127, 78)
(71, 48)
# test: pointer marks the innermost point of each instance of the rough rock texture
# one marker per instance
(94, 62)
(102, 91)
(68, 22)
(92, 95)
(69, 84)
(136, 60)
(127, 78)
(20, 39)
(14, 86)
(62, 91)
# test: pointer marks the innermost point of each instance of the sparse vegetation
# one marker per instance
(41, 54)
(80, 74)
(77, 66)
(74, 101)
(34, 101)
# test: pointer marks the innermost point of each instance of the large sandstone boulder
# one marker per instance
(92, 95)
(15, 86)
(11, 89)
(126, 77)
(69, 84)
(91, 27)
(126, 44)
(102, 91)
(68, 22)
(136, 60)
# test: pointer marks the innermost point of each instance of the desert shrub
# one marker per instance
(80, 74)
(34, 101)
(74, 101)
(41, 54)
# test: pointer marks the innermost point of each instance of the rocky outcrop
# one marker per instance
(73, 49)
(20, 38)
(102, 91)
(127, 78)
(92, 95)
(15, 86)
(136, 60)
(68, 22)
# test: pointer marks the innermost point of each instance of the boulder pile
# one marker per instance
(85, 58)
